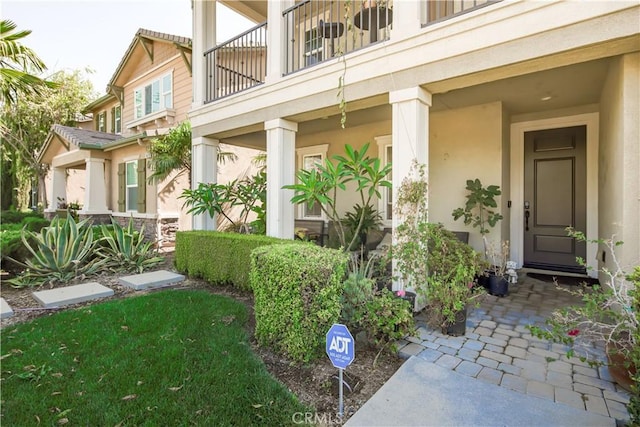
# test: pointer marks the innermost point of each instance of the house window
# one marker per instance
(117, 119)
(131, 184)
(312, 46)
(385, 204)
(156, 96)
(102, 122)
(308, 159)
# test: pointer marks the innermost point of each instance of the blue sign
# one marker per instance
(340, 346)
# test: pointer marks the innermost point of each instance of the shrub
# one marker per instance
(297, 290)
(386, 318)
(11, 246)
(16, 217)
(60, 252)
(125, 249)
(217, 257)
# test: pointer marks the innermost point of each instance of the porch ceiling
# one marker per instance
(569, 86)
(255, 10)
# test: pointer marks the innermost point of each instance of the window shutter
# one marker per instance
(142, 186)
(113, 120)
(96, 119)
(122, 187)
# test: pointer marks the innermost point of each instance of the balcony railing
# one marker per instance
(440, 10)
(319, 30)
(236, 65)
(315, 31)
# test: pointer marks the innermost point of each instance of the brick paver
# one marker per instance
(499, 348)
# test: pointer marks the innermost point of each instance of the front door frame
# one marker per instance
(590, 120)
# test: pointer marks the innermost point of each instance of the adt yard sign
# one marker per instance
(340, 346)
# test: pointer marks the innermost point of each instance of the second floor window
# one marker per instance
(102, 122)
(312, 47)
(155, 96)
(117, 119)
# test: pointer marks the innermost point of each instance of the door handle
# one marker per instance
(526, 220)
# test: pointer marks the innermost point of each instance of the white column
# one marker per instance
(281, 144)
(276, 39)
(203, 39)
(204, 168)
(409, 135)
(406, 18)
(58, 188)
(95, 193)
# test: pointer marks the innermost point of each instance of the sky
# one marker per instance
(95, 34)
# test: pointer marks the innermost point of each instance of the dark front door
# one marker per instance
(555, 197)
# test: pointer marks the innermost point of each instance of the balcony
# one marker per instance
(315, 31)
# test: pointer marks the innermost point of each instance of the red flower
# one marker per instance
(573, 332)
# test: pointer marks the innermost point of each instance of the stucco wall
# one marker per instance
(466, 143)
(619, 159)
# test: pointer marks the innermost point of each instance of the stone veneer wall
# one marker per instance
(150, 225)
(168, 229)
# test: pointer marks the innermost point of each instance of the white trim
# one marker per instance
(301, 153)
(161, 95)
(162, 114)
(383, 142)
(134, 215)
(153, 70)
(591, 120)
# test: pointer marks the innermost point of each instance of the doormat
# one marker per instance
(564, 280)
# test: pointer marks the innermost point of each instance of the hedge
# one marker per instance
(297, 292)
(217, 257)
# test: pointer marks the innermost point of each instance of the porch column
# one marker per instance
(58, 188)
(275, 38)
(204, 38)
(204, 168)
(409, 135)
(95, 193)
(406, 18)
(281, 144)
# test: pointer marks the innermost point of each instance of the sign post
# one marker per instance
(341, 351)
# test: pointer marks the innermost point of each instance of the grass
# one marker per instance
(167, 358)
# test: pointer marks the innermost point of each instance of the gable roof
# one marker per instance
(142, 34)
(88, 139)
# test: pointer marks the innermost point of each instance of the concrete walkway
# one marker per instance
(498, 351)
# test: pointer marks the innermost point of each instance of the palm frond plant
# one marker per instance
(18, 65)
(126, 249)
(60, 252)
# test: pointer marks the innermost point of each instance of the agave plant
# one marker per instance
(125, 249)
(61, 251)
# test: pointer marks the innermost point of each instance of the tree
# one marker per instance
(16, 63)
(26, 123)
(172, 152)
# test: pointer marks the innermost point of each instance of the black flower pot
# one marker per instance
(498, 285)
(459, 326)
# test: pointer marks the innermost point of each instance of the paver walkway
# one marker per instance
(498, 348)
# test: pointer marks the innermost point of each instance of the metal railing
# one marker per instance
(237, 64)
(441, 10)
(319, 30)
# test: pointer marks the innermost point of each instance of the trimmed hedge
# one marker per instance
(297, 292)
(217, 257)
(16, 217)
(11, 235)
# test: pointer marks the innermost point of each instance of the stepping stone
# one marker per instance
(153, 279)
(5, 309)
(72, 294)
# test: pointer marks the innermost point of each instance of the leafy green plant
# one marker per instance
(249, 193)
(60, 252)
(297, 288)
(125, 249)
(386, 319)
(366, 217)
(321, 184)
(478, 209)
(608, 315)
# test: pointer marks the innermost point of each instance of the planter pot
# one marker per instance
(620, 369)
(498, 285)
(483, 280)
(459, 327)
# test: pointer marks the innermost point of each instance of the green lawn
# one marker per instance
(168, 358)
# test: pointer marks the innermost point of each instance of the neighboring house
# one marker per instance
(540, 98)
(105, 168)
